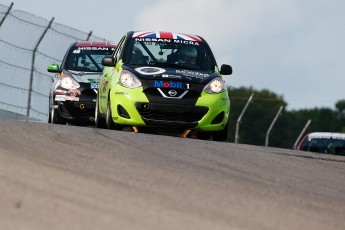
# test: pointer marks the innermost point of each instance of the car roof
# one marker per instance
(326, 135)
(94, 43)
(166, 35)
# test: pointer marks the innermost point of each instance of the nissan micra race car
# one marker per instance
(159, 81)
(74, 90)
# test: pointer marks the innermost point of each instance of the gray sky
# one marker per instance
(295, 48)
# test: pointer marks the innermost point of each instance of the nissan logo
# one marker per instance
(172, 93)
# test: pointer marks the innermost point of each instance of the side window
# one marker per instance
(119, 48)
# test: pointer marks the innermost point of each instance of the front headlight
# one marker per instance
(129, 80)
(68, 83)
(215, 86)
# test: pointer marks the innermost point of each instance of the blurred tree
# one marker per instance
(340, 106)
(262, 110)
(258, 116)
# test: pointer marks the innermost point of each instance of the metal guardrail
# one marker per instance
(28, 44)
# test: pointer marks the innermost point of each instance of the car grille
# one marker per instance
(89, 92)
(163, 112)
(87, 109)
(85, 112)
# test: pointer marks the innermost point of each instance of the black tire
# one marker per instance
(54, 116)
(204, 135)
(99, 120)
(109, 119)
(49, 116)
(221, 135)
(49, 111)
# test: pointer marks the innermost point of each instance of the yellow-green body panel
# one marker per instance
(127, 98)
(216, 104)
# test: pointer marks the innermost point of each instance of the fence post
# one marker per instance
(300, 135)
(272, 124)
(8, 11)
(240, 117)
(33, 65)
(89, 35)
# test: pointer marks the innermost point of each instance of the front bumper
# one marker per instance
(76, 111)
(131, 107)
(75, 106)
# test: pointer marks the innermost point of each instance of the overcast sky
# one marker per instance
(294, 48)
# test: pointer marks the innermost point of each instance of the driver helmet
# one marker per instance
(137, 55)
(187, 54)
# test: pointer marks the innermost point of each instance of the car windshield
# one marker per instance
(86, 59)
(324, 145)
(169, 53)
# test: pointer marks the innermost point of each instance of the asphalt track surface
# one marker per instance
(69, 177)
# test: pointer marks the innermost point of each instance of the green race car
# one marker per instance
(164, 81)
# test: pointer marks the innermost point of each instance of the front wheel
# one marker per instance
(221, 135)
(204, 135)
(99, 121)
(54, 116)
(109, 118)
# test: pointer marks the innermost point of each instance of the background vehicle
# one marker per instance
(323, 142)
(159, 81)
(74, 89)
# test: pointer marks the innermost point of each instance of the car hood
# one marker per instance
(159, 73)
(85, 77)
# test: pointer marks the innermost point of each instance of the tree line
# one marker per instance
(262, 110)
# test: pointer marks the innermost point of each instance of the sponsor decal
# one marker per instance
(186, 42)
(92, 48)
(171, 76)
(121, 93)
(71, 98)
(168, 84)
(60, 98)
(167, 40)
(166, 35)
(74, 92)
(103, 86)
(94, 85)
(60, 91)
(153, 40)
(150, 70)
(192, 74)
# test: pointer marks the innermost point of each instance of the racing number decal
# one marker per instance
(103, 86)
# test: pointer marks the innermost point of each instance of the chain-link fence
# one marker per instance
(28, 44)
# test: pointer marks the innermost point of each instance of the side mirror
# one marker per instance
(226, 69)
(108, 61)
(53, 68)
